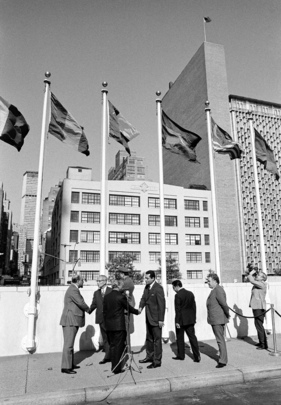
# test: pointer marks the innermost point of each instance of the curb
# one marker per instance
(126, 390)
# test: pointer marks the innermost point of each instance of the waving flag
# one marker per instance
(264, 155)
(13, 127)
(64, 127)
(120, 129)
(177, 139)
(223, 143)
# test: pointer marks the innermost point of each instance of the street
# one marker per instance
(267, 392)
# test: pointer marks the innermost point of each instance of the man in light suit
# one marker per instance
(218, 315)
(153, 300)
(258, 304)
(185, 309)
(73, 317)
(97, 304)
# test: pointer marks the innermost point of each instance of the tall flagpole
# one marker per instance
(213, 190)
(103, 200)
(165, 333)
(258, 203)
(32, 311)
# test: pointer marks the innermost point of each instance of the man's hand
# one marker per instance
(139, 310)
(161, 324)
(177, 325)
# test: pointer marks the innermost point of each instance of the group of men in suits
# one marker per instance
(111, 305)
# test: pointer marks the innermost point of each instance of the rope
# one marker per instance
(277, 313)
(243, 316)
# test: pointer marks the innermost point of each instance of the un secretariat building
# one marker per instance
(133, 206)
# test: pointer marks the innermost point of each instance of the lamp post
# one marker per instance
(64, 272)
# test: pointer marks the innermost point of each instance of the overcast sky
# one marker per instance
(137, 46)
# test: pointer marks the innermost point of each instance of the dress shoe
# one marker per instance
(103, 361)
(75, 367)
(152, 365)
(262, 348)
(220, 365)
(258, 344)
(177, 358)
(118, 372)
(68, 371)
(197, 360)
(146, 360)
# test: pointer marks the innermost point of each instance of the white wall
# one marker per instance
(13, 321)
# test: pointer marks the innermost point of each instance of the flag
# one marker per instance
(13, 127)
(207, 19)
(64, 127)
(264, 155)
(223, 143)
(120, 129)
(177, 139)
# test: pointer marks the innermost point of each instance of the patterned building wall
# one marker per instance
(267, 120)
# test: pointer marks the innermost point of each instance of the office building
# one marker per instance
(127, 167)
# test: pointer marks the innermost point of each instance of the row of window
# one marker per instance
(93, 275)
(134, 201)
(135, 238)
(94, 256)
(134, 219)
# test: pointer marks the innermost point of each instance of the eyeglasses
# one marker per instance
(99, 281)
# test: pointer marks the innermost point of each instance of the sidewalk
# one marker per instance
(37, 379)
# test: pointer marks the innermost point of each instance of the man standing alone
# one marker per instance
(218, 315)
(97, 304)
(185, 309)
(73, 317)
(153, 300)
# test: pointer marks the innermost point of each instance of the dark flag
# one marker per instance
(223, 143)
(264, 155)
(13, 127)
(65, 128)
(177, 139)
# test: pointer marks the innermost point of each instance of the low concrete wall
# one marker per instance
(13, 301)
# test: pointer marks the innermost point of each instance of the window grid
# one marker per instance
(89, 256)
(155, 256)
(113, 254)
(205, 205)
(90, 236)
(75, 197)
(73, 237)
(192, 239)
(194, 274)
(206, 222)
(207, 257)
(191, 205)
(170, 239)
(124, 219)
(169, 203)
(192, 222)
(90, 198)
(193, 257)
(126, 201)
(124, 237)
(73, 256)
(74, 216)
(207, 239)
(90, 217)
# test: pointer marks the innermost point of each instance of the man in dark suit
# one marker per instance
(114, 305)
(185, 309)
(153, 300)
(97, 304)
(73, 317)
(218, 315)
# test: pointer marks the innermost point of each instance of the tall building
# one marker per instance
(5, 232)
(133, 226)
(48, 206)
(127, 167)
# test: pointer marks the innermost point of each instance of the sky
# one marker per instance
(138, 47)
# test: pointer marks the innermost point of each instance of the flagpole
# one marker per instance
(204, 24)
(103, 201)
(213, 189)
(32, 311)
(165, 333)
(258, 203)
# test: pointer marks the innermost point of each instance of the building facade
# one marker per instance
(133, 226)
(127, 167)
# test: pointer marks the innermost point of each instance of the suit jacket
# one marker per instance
(218, 312)
(114, 305)
(257, 300)
(74, 308)
(97, 303)
(153, 300)
(185, 307)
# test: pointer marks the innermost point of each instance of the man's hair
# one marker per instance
(214, 276)
(75, 278)
(117, 283)
(177, 283)
(151, 273)
(102, 277)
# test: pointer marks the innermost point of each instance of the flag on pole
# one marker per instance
(207, 19)
(120, 129)
(177, 139)
(223, 143)
(64, 127)
(13, 127)
(264, 155)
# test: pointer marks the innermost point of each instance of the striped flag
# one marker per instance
(264, 155)
(13, 127)
(223, 143)
(64, 127)
(120, 129)
(177, 139)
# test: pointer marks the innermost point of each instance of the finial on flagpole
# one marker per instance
(104, 84)
(158, 93)
(205, 20)
(47, 75)
(207, 104)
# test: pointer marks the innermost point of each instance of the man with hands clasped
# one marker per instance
(153, 300)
